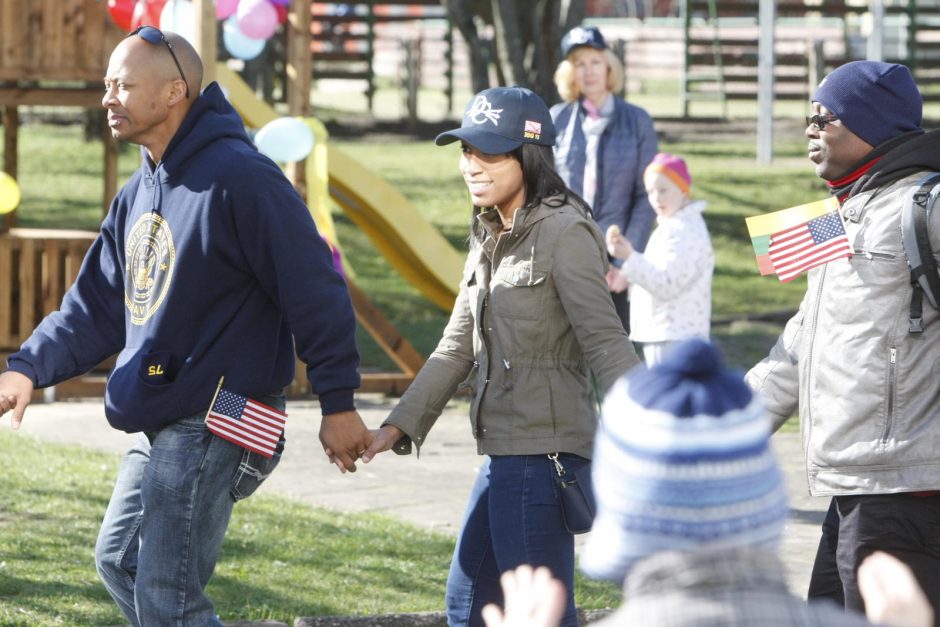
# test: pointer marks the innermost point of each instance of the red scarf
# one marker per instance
(842, 187)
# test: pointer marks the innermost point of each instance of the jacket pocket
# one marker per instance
(517, 290)
(144, 391)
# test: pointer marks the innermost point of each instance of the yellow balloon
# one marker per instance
(9, 193)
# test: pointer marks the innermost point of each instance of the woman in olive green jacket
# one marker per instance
(532, 322)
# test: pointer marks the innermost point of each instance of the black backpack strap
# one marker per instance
(916, 239)
(916, 318)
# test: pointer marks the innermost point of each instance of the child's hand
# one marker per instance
(617, 245)
(616, 282)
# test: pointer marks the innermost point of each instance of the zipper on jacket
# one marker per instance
(806, 422)
(485, 341)
(872, 255)
(892, 391)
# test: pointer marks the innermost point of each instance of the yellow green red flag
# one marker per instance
(761, 227)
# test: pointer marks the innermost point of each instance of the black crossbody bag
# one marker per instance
(576, 494)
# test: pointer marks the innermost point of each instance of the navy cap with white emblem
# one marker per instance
(500, 119)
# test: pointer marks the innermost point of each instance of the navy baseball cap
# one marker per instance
(579, 37)
(501, 119)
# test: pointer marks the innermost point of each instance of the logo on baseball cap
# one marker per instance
(501, 119)
(579, 37)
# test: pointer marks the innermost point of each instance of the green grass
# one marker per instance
(280, 559)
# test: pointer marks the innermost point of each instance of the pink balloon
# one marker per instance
(256, 18)
(225, 8)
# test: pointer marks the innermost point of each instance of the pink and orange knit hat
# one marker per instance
(674, 168)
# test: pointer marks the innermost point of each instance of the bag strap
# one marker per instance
(915, 235)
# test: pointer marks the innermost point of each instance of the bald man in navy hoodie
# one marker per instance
(208, 264)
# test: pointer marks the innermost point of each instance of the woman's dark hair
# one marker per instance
(541, 181)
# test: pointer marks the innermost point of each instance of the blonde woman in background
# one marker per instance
(603, 145)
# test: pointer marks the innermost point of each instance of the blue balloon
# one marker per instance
(285, 139)
(238, 44)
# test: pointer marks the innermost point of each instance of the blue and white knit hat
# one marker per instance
(682, 462)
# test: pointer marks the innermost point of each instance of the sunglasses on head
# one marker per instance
(155, 36)
(820, 121)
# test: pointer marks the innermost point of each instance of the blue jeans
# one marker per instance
(163, 531)
(513, 518)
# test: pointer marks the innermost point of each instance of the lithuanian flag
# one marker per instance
(761, 227)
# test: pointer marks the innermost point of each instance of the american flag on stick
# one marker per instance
(808, 245)
(245, 422)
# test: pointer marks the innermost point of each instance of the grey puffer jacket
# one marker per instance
(868, 390)
(533, 314)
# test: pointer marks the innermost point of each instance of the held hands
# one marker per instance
(618, 246)
(384, 439)
(16, 391)
(344, 438)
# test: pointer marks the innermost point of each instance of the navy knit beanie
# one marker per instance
(876, 101)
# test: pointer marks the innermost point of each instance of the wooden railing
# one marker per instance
(36, 268)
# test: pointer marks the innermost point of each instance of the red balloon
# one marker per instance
(281, 13)
(122, 11)
(147, 13)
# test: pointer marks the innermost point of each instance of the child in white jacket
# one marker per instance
(670, 283)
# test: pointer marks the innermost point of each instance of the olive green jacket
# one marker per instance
(532, 321)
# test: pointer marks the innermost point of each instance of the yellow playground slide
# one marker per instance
(410, 243)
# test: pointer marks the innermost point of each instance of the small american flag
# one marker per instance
(246, 422)
(532, 130)
(808, 245)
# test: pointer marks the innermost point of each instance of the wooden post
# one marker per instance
(299, 68)
(206, 41)
(10, 155)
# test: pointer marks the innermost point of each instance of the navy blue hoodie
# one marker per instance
(207, 264)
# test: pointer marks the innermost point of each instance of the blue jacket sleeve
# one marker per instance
(294, 265)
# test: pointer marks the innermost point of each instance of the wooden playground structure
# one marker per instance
(54, 52)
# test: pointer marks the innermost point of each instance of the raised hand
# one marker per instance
(891, 593)
(533, 599)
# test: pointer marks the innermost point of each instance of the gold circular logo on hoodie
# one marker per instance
(150, 259)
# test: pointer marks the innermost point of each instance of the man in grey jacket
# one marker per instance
(851, 361)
